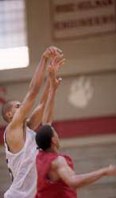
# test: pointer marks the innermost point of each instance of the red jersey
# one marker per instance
(47, 188)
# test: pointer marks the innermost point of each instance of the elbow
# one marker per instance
(72, 183)
(75, 184)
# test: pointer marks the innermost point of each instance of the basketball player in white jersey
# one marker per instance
(19, 135)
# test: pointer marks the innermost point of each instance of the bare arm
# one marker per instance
(34, 88)
(77, 181)
(36, 116)
(54, 83)
(44, 111)
(47, 100)
(29, 99)
(48, 111)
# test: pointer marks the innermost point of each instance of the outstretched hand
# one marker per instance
(57, 62)
(53, 68)
(51, 52)
(54, 81)
(111, 171)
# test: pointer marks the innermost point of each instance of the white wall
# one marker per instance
(90, 54)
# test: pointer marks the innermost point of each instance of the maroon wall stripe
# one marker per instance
(86, 127)
(82, 127)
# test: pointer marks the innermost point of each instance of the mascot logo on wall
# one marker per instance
(81, 92)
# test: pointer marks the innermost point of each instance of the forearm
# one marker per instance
(38, 75)
(49, 108)
(37, 115)
(86, 179)
(45, 93)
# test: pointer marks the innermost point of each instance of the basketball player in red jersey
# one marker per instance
(56, 177)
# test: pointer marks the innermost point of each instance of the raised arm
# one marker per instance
(54, 83)
(36, 116)
(34, 88)
(43, 113)
(77, 181)
(29, 99)
(49, 108)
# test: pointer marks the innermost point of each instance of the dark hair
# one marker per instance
(5, 108)
(44, 137)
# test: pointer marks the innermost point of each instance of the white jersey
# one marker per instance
(22, 166)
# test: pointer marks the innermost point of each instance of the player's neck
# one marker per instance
(52, 150)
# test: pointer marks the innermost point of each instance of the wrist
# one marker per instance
(52, 92)
(105, 171)
(44, 57)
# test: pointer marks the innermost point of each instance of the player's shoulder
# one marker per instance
(10, 127)
(59, 161)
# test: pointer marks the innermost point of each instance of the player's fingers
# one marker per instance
(62, 61)
(52, 51)
(54, 61)
(59, 80)
(57, 59)
(59, 51)
(51, 72)
(56, 51)
(60, 64)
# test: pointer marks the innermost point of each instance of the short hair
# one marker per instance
(5, 108)
(44, 137)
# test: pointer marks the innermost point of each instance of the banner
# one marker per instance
(79, 18)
